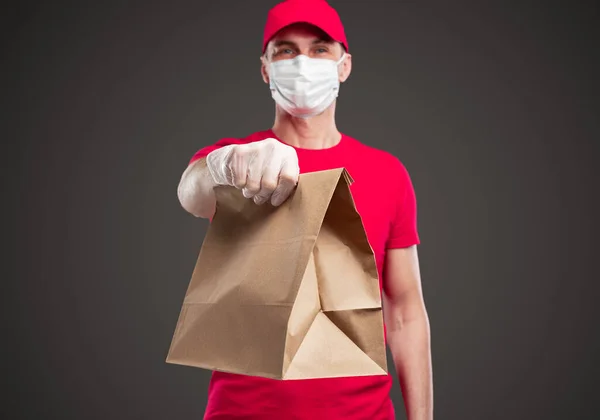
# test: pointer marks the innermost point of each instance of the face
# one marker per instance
(302, 38)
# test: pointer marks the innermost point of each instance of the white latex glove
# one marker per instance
(262, 170)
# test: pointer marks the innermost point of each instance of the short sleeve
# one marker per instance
(403, 228)
(206, 150)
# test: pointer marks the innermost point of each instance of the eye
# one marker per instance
(321, 50)
(285, 51)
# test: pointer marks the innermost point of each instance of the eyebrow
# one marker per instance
(293, 44)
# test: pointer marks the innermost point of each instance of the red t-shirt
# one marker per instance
(385, 200)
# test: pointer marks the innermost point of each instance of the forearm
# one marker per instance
(195, 190)
(409, 342)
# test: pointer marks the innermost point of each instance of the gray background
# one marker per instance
(492, 106)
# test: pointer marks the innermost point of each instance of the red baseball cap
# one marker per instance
(315, 12)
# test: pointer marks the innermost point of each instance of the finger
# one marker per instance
(254, 175)
(238, 166)
(288, 179)
(268, 183)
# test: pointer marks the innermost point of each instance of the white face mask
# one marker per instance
(304, 86)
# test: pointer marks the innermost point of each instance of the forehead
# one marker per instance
(299, 32)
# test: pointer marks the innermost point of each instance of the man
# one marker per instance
(305, 58)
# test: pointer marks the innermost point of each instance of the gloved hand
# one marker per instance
(262, 170)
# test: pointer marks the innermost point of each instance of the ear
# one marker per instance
(345, 68)
(263, 69)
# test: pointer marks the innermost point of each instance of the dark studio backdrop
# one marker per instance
(492, 107)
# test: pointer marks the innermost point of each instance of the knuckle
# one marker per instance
(274, 145)
(290, 157)
(269, 186)
(268, 148)
(239, 152)
(288, 178)
(289, 150)
(253, 185)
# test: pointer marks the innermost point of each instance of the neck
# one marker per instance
(318, 132)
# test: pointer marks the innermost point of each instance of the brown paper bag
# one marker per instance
(288, 293)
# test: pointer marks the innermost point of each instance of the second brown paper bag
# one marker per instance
(287, 292)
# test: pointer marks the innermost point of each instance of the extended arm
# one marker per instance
(263, 170)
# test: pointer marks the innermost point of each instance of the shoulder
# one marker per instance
(226, 141)
(256, 136)
(379, 158)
